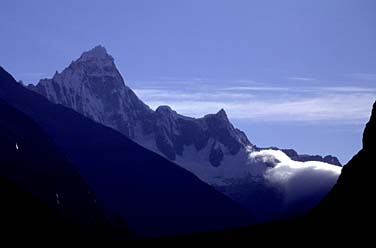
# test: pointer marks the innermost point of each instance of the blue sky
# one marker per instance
(298, 74)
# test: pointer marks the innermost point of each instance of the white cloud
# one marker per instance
(298, 180)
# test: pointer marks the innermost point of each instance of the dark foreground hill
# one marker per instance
(42, 194)
(154, 195)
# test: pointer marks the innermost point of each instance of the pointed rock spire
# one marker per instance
(98, 52)
(222, 114)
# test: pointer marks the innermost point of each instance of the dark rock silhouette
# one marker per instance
(350, 206)
(25, 217)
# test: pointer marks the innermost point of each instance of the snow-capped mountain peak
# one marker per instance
(93, 86)
(210, 147)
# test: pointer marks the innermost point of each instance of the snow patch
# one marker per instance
(232, 166)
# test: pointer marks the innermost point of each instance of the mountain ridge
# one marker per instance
(137, 120)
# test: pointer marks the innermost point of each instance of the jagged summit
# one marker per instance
(221, 115)
(222, 112)
(99, 52)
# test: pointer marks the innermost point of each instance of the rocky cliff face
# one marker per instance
(174, 132)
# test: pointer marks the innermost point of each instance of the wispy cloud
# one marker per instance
(349, 89)
(255, 88)
(310, 104)
(304, 89)
(191, 79)
(171, 82)
(363, 76)
(330, 108)
(302, 78)
(244, 81)
(161, 95)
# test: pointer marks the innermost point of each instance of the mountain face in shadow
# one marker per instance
(42, 194)
(152, 194)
